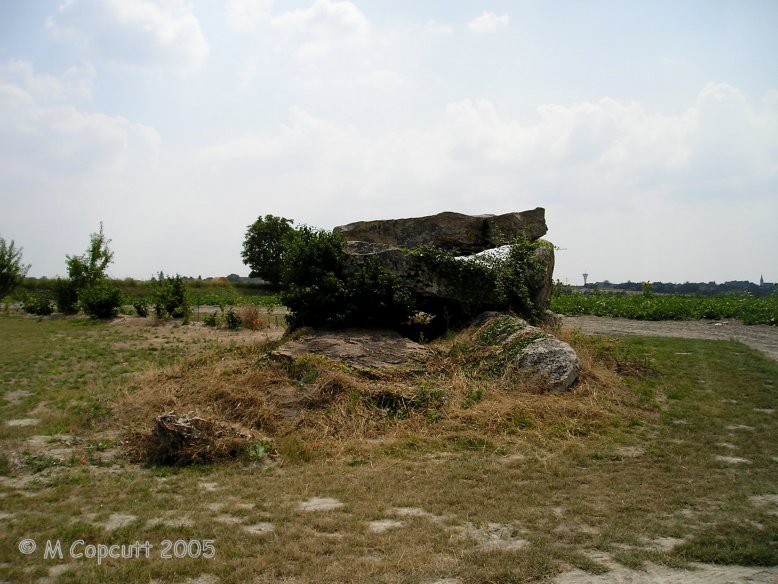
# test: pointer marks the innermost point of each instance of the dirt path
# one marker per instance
(761, 337)
(654, 574)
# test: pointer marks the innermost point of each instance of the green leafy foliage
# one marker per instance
(89, 268)
(232, 319)
(100, 299)
(12, 271)
(211, 319)
(141, 306)
(170, 297)
(747, 308)
(319, 291)
(96, 294)
(374, 297)
(312, 278)
(263, 246)
(39, 303)
(321, 288)
(66, 296)
(509, 282)
(519, 277)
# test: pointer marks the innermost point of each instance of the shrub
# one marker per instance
(312, 278)
(66, 296)
(141, 306)
(38, 303)
(211, 319)
(232, 319)
(319, 292)
(101, 299)
(508, 282)
(374, 297)
(322, 290)
(88, 286)
(170, 297)
(519, 278)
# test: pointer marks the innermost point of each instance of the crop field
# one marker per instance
(663, 460)
(748, 309)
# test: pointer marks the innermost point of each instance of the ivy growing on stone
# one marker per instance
(322, 289)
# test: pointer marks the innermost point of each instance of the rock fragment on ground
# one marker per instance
(529, 348)
(320, 504)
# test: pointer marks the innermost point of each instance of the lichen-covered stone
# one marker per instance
(457, 233)
(529, 348)
(554, 360)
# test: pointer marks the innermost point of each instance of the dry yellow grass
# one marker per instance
(332, 407)
(476, 477)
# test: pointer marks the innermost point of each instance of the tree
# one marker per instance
(90, 267)
(264, 246)
(99, 297)
(12, 271)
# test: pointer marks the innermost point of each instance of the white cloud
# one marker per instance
(734, 146)
(245, 15)
(43, 134)
(606, 162)
(384, 79)
(489, 23)
(324, 25)
(134, 33)
(76, 83)
(438, 28)
(64, 169)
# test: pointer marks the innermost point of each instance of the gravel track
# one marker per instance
(761, 337)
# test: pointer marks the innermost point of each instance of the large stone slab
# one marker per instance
(455, 232)
(378, 349)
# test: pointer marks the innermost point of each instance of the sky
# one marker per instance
(647, 130)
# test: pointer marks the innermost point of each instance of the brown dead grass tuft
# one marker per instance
(329, 407)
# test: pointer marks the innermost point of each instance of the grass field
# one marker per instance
(674, 460)
(749, 309)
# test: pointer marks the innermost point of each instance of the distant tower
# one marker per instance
(761, 280)
(585, 275)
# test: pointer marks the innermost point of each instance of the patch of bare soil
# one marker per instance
(654, 574)
(161, 332)
(761, 337)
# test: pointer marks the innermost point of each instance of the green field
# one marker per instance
(200, 292)
(665, 453)
(748, 309)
